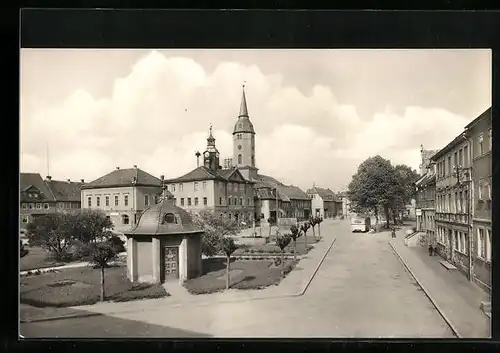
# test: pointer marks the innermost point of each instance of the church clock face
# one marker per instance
(239, 147)
(207, 154)
(217, 155)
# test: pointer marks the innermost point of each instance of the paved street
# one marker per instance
(361, 290)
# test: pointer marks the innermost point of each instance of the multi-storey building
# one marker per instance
(225, 191)
(479, 134)
(122, 195)
(39, 197)
(453, 218)
(426, 204)
(324, 202)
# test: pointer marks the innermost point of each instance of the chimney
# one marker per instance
(135, 166)
(48, 178)
(134, 180)
(68, 180)
(117, 168)
(197, 154)
(82, 181)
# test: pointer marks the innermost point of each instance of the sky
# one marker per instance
(317, 113)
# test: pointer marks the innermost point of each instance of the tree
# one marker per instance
(100, 255)
(91, 226)
(374, 184)
(313, 223)
(318, 222)
(295, 234)
(282, 240)
(215, 229)
(22, 250)
(52, 232)
(304, 228)
(228, 247)
(406, 178)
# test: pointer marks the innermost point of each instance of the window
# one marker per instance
(196, 201)
(480, 190)
(489, 139)
(480, 144)
(181, 187)
(449, 165)
(253, 160)
(172, 187)
(195, 186)
(166, 187)
(146, 200)
(488, 242)
(205, 201)
(241, 201)
(61, 205)
(125, 200)
(466, 201)
(239, 136)
(488, 187)
(24, 206)
(156, 200)
(182, 201)
(481, 243)
(116, 200)
(460, 205)
(169, 218)
(239, 159)
(220, 200)
(460, 158)
(45, 205)
(32, 205)
(107, 200)
(455, 245)
(248, 201)
(67, 205)
(98, 201)
(455, 159)
(204, 185)
(175, 201)
(229, 200)
(125, 219)
(189, 201)
(89, 201)
(25, 219)
(456, 203)
(466, 156)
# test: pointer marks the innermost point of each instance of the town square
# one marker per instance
(235, 193)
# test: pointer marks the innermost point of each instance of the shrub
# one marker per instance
(117, 243)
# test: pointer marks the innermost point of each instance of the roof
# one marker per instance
(204, 173)
(64, 190)
(27, 180)
(448, 147)
(286, 193)
(295, 193)
(243, 124)
(426, 179)
(325, 194)
(124, 177)
(485, 114)
(154, 222)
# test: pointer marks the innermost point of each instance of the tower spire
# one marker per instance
(243, 106)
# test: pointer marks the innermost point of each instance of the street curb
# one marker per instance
(443, 315)
(91, 314)
(316, 269)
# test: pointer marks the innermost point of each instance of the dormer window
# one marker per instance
(169, 218)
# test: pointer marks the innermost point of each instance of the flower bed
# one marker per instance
(82, 286)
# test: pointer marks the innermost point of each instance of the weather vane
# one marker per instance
(244, 83)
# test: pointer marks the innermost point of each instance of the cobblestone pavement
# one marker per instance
(361, 290)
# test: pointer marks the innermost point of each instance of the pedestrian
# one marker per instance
(393, 232)
(431, 249)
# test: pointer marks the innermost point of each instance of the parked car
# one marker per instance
(360, 224)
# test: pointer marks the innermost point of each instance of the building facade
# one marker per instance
(209, 187)
(426, 205)
(479, 133)
(39, 197)
(122, 195)
(324, 202)
(453, 219)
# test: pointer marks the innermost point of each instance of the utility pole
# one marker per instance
(277, 216)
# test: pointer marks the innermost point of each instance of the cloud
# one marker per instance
(158, 115)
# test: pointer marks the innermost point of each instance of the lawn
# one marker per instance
(245, 274)
(37, 258)
(81, 286)
(272, 248)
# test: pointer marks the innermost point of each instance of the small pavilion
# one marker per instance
(164, 246)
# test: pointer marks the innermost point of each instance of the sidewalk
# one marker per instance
(455, 297)
(294, 284)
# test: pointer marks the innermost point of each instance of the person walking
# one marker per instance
(393, 232)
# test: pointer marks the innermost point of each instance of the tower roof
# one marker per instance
(243, 124)
(211, 138)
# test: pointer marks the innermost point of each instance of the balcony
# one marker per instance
(461, 218)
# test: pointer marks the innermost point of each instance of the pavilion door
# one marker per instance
(170, 263)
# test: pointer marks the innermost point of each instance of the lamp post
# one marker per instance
(277, 216)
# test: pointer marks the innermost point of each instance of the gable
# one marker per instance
(236, 176)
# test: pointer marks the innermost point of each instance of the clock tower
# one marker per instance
(244, 142)
(211, 154)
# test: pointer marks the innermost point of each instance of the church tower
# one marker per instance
(244, 142)
(211, 154)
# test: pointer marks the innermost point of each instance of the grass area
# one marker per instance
(244, 275)
(38, 258)
(272, 248)
(82, 286)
